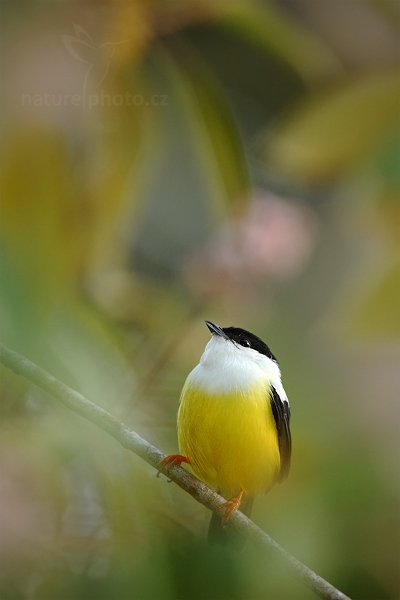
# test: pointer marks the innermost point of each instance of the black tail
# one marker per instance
(222, 535)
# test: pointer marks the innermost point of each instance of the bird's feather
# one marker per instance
(281, 411)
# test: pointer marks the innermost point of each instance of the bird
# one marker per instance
(234, 423)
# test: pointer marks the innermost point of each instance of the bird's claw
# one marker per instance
(231, 506)
(171, 460)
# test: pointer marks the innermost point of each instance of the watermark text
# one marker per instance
(91, 101)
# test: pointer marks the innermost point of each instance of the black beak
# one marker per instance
(216, 329)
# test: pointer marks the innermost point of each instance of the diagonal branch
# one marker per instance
(132, 441)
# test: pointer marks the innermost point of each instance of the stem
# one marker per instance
(152, 455)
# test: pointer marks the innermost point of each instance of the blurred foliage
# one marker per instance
(354, 118)
(166, 162)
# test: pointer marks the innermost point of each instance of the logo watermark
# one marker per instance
(98, 59)
(90, 101)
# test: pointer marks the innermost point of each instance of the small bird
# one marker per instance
(234, 422)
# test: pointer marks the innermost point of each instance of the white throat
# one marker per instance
(226, 367)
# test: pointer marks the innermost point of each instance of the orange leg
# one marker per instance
(172, 460)
(231, 506)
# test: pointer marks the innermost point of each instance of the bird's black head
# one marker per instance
(242, 337)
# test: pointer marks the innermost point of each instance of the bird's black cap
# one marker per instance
(241, 337)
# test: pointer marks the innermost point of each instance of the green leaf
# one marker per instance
(213, 126)
(328, 134)
(280, 35)
(379, 314)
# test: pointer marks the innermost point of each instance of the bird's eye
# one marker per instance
(245, 343)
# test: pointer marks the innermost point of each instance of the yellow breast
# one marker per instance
(230, 439)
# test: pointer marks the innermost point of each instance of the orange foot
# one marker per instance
(231, 506)
(172, 460)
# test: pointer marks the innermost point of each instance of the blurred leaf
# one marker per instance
(378, 311)
(328, 134)
(113, 167)
(40, 210)
(284, 37)
(390, 9)
(387, 173)
(128, 33)
(211, 116)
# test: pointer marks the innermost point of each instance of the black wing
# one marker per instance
(281, 412)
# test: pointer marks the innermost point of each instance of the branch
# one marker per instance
(152, 455)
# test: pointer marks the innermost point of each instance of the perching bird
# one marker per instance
(233, 422)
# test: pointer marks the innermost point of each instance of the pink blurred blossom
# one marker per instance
(272, 241)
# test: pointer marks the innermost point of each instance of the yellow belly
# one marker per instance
(230, 439)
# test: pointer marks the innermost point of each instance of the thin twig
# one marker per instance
(132, 441)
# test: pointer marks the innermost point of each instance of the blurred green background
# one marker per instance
(163, 162)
